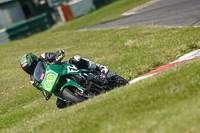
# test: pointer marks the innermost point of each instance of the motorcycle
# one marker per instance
(74, 85)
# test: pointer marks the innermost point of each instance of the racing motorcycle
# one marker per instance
(75, 85)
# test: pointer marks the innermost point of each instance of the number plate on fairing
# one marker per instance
(49, 81)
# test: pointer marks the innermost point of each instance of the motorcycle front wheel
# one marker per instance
(72, 97)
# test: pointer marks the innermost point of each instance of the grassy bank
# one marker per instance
(167, 102)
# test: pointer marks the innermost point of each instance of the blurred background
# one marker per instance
(22, 18)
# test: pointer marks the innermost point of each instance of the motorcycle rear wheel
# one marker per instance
(67, 94)
(117, 81)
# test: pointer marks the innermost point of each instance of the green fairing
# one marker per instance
(48, 84)
(53, 74)
(71, 83)
(70, 69)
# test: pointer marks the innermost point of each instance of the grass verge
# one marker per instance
(158, 104)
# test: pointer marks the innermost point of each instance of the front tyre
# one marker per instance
(74, 98)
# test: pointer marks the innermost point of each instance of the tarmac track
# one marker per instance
(170, 13)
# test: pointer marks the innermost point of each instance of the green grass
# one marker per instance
(167, 102)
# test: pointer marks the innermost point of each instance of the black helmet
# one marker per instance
(28, 63)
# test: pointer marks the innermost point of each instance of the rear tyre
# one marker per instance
(67, 94)
(117, 81)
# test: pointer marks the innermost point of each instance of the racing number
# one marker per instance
(72, 69)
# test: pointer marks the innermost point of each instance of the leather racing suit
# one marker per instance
(55, 58)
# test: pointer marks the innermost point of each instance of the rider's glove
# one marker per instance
(104, 69)
(46, 95)
(59, 55)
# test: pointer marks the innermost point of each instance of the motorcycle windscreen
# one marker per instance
(39, 72)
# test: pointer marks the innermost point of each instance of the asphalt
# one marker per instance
(170, 13)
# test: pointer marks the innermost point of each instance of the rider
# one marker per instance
(29, 61)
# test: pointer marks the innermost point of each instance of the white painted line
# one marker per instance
(134, 10)
(140, 78)
(2, 30)
(189, 56)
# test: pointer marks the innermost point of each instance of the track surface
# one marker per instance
(161, 13)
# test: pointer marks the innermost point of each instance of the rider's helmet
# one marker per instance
(28, 63)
